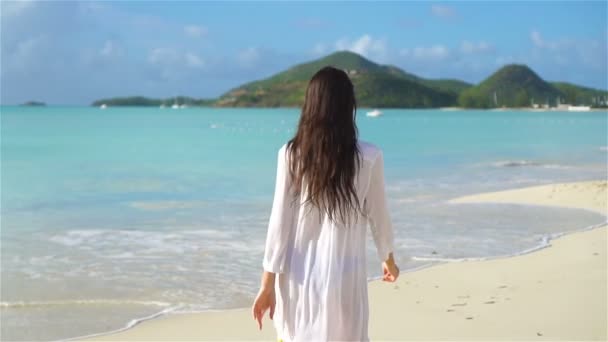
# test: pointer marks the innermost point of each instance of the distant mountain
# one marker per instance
(517, 85)
(379, 85)
(33, 104)
(449, 85)
(375, 86)
(513, 85)
(141, 101)
(579, 95)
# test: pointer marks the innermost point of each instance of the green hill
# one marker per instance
(578, 95)
(513, 85)
(140, 101)
(379, 85)
(375, 86)
(33, 104)
(449, 85)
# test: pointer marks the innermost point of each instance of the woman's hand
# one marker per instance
(390, 270)
(265, 300)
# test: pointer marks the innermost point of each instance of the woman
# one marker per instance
(329, 187)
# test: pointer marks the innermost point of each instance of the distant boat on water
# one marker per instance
(175, 104)
(374, 113)
(103, 106)
(579, 108)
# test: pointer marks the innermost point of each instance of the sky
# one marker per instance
(76, 52)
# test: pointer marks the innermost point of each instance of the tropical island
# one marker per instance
(33, 104)
(381, 86)
(142, 101)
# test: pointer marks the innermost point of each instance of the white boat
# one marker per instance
(103, 106)
(374, 113)
(579, 108)
(175, 104)
(183, 106)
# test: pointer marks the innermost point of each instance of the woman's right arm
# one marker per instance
(380, 220)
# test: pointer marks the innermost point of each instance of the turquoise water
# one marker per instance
(113, 215)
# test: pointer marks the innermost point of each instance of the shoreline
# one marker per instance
(444, 109)
(218, 322)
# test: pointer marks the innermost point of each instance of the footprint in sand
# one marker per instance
(502, 286)
(450, 310)
(469, 317)
(459, 304)
(490, 302)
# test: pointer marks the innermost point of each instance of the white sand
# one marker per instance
(557, 293)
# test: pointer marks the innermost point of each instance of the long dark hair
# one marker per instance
(323, 153)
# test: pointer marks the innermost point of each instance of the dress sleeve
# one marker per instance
(281, 219)
(377, 210)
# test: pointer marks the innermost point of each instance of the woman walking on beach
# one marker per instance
(329, 187)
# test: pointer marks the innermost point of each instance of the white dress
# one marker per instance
(321, 281)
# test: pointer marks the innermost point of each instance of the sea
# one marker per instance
(111, 217)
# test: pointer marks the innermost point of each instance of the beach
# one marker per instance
(555, 293)
(95, 243)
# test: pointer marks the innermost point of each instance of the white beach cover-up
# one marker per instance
(321, 281)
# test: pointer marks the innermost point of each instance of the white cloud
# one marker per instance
(502, 60)
(319, 49)
(536, 39)
(172, 65)
(467, 47)
(248, 57)
(25, 55)
(194, 60)
(195, 31)
(539, 42)
(174, 58)
(14, 8)
(582, 53)
(443, 11)
(160, 56)
(366, 46)
(432, 53)
(111, 49)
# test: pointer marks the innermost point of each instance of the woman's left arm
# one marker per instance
(281, 218)
(277, 239)
(265, 300)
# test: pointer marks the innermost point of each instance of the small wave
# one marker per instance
(167, 205)
(555, 166)
(180, 309)
(128, 326)
(515, 163)
(604, 148)
(545, 242)
(438, 259)
(26, 304)
(524, 163)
